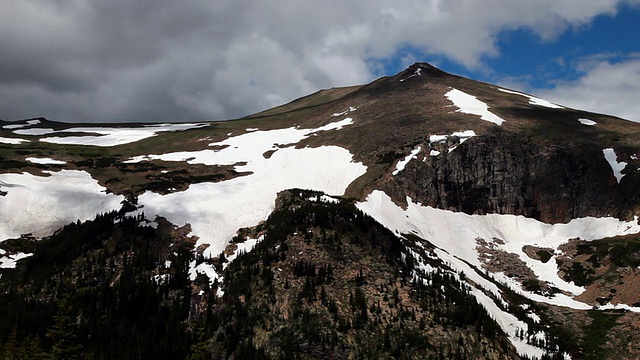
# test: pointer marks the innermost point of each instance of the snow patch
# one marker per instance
(534, 100)
(10, 261)
(216, 210)
(14, 126)
(45, 161)
(402, 163)
(351, 109)
(34, 132)
(12, 141)
(456, 233)
(468, 104)
(587, 122)
(42, 204)
(612, 159)
(106, 136)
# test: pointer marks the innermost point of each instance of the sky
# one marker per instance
(192, 60)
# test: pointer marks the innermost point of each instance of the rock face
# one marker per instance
(509, 174)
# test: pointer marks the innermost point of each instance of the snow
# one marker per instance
(402, 163)
(34, 132)
(14, 126)
(12, 141)
(587, 122)
(252, 129)
(418, 72)
(45, 161)
(462, 136)
(438, 138)
(10, 261)
(42, 204)
(217, 210)
(634, 157)
(351, 109)
(106, 136)
(468, 104)
(33, 122)
(456, 233)
(534, 100)
(244, 247)
(612, 159)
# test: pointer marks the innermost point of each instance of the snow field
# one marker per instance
(217, 210)
(456, 233)
(42, 204)
(106, 136)
(468, 104)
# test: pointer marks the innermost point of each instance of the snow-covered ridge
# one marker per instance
(534, 100)
(107, 136)
(616, 167)
(468, 104)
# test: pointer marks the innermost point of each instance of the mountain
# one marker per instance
(423, 215)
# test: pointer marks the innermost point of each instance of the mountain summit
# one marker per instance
(423, 215)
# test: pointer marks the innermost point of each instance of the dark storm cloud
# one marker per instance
(161, 60)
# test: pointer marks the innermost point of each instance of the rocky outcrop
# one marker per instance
(507, 173)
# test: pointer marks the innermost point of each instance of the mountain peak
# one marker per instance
(422, 68)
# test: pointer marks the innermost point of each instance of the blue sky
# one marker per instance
(530, 63)
(162, 60)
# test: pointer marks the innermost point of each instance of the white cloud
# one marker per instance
(163, 60)
(604, 87)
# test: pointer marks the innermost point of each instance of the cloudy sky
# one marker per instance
(167, 60)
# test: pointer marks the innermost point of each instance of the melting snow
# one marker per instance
(587, 122)
(468, 104)
(612, 159)
(534, 100)
(456, 233)
(42, 204)
(106, 136)
(402, 163)
(45, 161)
(217, 210)
(12, 141)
